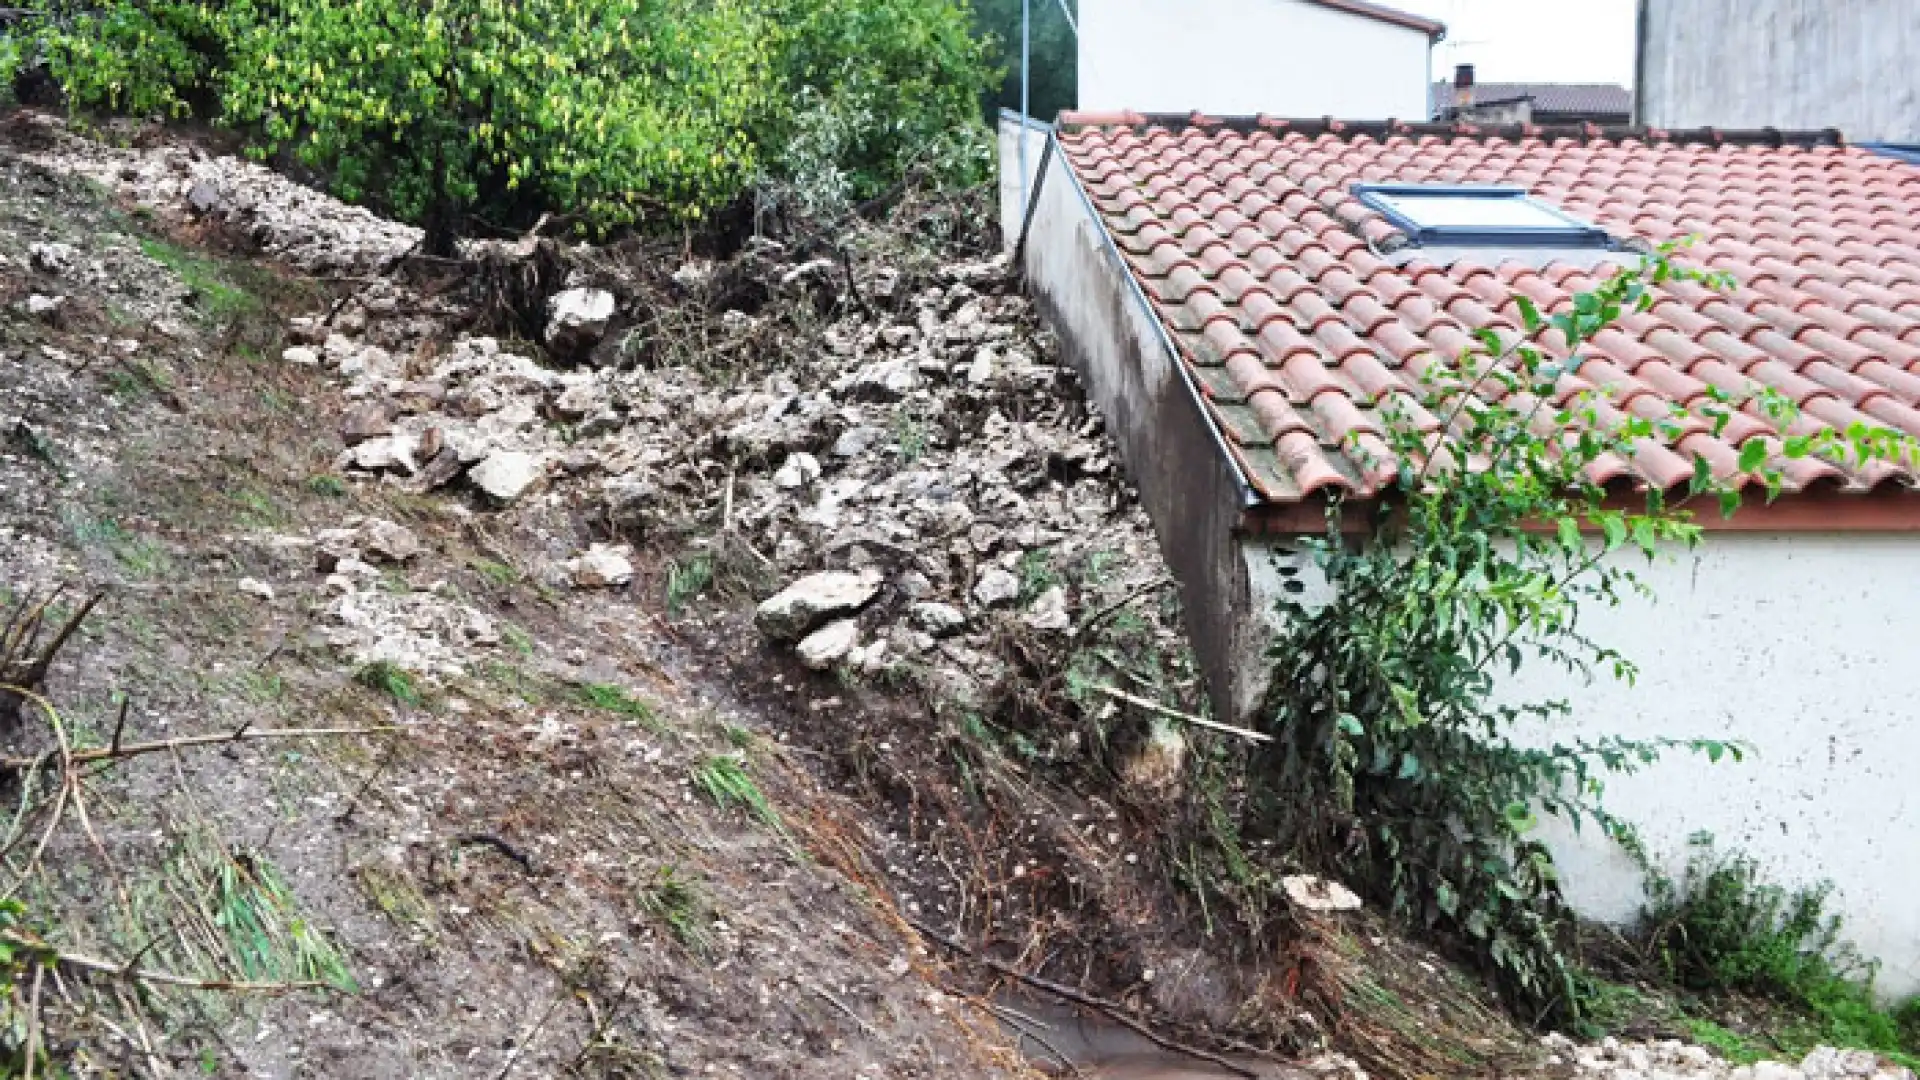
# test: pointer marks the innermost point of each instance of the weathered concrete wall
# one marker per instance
(1802, 645)
(1186, 482)
(1228, 57)
(1011, 131)
(1849, 64)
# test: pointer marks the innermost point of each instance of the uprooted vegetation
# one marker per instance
(581, 818)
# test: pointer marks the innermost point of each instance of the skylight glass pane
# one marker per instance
(1448, 211)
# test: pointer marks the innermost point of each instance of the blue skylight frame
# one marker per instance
(1569, 232)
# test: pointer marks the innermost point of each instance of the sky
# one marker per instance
(1533, 40)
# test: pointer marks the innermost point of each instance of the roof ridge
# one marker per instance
(1381, 129)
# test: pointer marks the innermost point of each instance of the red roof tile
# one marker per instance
(1301, 312)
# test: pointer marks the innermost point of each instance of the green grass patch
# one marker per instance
(141, 556)
(726, 783)
(610, 698)
(386, 677)
(1036, 574)
(682, 907)
(1722, 929)
(686, 580)
(214, 292)
(496, 573)
(327, 485)
(269, 938)
(517, 639)
(258, 510)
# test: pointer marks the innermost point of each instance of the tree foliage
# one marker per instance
(465, 114)
(1396, 763)
(1054, 55)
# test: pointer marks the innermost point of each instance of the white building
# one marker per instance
(1846, 64)
(1343, 58)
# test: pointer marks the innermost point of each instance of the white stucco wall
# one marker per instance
(1240, 57)
(1806, 646)
(1011, 132)
(1783, 63)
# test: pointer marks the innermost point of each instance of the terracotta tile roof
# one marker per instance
(1298, 318)
(1584, 99)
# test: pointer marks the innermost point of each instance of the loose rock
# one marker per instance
(996, 587)
(602, 566)
(829, 644)
(577, 320)
(800, 607)
(506, 474)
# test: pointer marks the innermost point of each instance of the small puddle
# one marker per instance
(1057, 1039)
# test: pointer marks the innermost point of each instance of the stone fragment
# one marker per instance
(1319, 894)
(44, 307)
(937, 618)
(580, 400)
(52, 258)
(829, 644)
(996, 587)
(385, 452)
(301, 355)
(1049, 611)
(367, 420)
(507, 474)
(798, 471)
(800, 607)
(205, 198)
(601, 566)
(577, 320)
(855, 441)
(257, 589)
(388, 541)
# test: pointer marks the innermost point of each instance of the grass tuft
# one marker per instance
(1721, 929)
(609, 698)
(327, 485)
(386, 677)
(687, 581)
(216, 297)
(724, 781)
(682, 906)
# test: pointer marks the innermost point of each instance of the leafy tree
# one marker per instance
(460, 114)
(879, 88)
(1054, 72)
(606, 110)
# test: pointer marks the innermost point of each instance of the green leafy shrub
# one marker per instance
(140, 58)
(605, 111)
(878, 88)
(1723, 928)
(483, 115)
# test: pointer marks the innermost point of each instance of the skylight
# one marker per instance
(1450, 215)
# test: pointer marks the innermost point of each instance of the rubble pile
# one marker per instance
(293, 223)
(1612, 1059)
(933, 452)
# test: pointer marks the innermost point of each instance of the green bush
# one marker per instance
(1723, 928)
(606, 111)
(471, 115)
(878, 88)
(138, 58)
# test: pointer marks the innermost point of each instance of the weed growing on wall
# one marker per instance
(1394, 764)
(1723, 928)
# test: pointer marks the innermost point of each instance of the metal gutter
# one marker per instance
(1249, 498)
